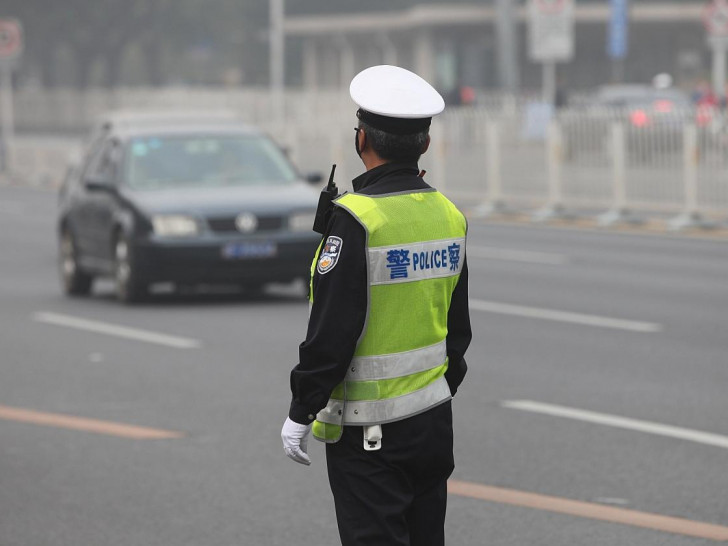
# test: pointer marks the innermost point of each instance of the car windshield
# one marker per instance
(206, 161)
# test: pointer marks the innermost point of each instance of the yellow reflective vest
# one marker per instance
(415, 250)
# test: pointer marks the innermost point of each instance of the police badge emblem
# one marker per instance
(329, 255)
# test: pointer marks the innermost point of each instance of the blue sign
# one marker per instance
(617, 36)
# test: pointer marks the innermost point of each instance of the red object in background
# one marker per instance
(467, 95)
(704, 114)
(708, 98)
(707, 107)
(639, 118)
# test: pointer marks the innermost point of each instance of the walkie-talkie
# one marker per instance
(324, 205)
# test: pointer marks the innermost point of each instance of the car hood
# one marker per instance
(224, 201)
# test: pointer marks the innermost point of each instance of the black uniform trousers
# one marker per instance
(398, 494)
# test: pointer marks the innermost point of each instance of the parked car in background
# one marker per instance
(653, 120)
(186, 199)
(646, 106)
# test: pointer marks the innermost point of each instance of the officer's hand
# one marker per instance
(295, 441)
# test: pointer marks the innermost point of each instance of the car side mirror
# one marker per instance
(314, 178)
(99, 183)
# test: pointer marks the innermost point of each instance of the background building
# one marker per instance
(456, 45)
(162, 43)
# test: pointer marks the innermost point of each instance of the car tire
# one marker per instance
(130, 288)
(74, 281)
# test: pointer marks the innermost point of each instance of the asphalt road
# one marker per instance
(597, 375)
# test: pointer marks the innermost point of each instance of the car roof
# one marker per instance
(125, 124)
(638, 92)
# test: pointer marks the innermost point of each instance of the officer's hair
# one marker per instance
(395, 148)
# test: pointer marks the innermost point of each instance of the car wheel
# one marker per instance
(129, 287)
(74, 280)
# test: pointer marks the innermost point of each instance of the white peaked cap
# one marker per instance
(395, 92)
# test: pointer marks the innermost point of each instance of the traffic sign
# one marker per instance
(551, 30)
(11, 39)
(618, 25)
(715, 18)
(11, 45)
(550, 6)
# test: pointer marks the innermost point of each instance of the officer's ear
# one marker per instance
(426, 146)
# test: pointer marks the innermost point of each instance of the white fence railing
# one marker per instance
(507, 154)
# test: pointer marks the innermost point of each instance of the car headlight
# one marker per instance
(302, 221)
(175, 225)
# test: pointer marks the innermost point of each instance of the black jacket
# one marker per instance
(339, 310)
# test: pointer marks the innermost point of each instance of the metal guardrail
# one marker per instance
(507, 154)
(583, 160)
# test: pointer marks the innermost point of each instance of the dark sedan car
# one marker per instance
(183, 200)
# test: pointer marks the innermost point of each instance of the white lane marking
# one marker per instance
(115, 330)
(648, 427)
(564, 316)
(511, 255)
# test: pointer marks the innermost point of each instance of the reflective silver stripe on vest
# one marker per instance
(333, 413)
(373, 412)
(369, 368)
(416, 261)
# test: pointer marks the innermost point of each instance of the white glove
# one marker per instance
(295, 441)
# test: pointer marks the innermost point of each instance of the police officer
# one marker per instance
(388, 328)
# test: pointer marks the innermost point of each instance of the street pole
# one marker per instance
(277, 55)
(8, 120)
(549, 82)
(719, 57)
(617, 70)
(507, 46)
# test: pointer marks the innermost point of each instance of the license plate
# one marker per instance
(248, 251)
